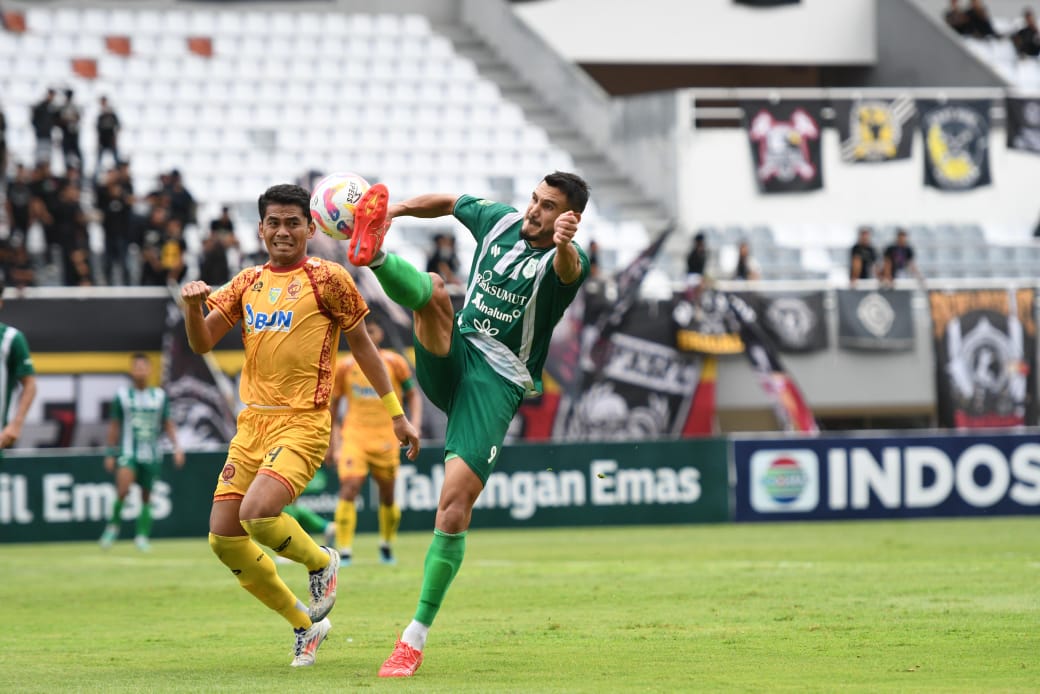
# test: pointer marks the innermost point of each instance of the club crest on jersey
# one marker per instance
(273, 293)
(258, 321)
(530, 268)
(292, 292)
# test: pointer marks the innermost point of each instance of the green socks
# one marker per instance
(117, 512)
(308, 519)
(403, 282)
(144, 521)
(443, 560)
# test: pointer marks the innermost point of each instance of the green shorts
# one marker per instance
(145, 474)
(479, 403)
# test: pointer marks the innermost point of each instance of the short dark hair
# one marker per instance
(140, 355)
(286, 194)
(573, 186)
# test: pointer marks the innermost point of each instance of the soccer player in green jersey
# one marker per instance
(476, 365)
(139, 416)
(17, 369)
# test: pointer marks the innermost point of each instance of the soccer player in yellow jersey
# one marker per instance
(364, 442)
(292, 310)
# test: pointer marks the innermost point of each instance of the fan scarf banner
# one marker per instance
(956, 143)
(875, 320)
(985, 357)
(1023, 124)
(642, 389)
(785, 145)
(795, 322)
(875, 130)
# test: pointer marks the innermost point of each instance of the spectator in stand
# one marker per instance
(107, 134)
(19, 197)
(697, 260)
(116, 206)
(68, 123)
(3, 144)
(958, 19)
(863, 257)
(443, 260)
(182, 204)
(214, 268)
(899, 259)
(152, 272)
(20, 272)
(173, 251)
(981, 26)
(1027, 39)
(44, 117)
(71, 233)
(747, 267)
(44, 204)
(222, 222)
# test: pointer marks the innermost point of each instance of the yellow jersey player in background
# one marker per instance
(292, 310)
(363, 442)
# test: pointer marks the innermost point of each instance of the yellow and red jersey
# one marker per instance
(367, 418)
(291, 322)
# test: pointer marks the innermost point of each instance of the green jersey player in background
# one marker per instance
(139, 416)
(479, 364)
(17, 370)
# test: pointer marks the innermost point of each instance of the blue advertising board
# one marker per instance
(832, 477)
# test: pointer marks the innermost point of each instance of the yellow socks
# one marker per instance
(346, 524)
(285, 536)
(389, 522)
(256, 573)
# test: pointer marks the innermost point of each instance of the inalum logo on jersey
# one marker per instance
(278, 321)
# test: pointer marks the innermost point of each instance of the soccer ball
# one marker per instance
(333, 201)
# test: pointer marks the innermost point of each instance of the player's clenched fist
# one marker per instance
(195, 292)
(565, 228)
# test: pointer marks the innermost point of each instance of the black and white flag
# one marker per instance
(1023, 124)
(875, 130)
(875, 320)
(956, 143)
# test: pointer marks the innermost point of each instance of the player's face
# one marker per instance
(547, 203)
(284, 231)
(140, 371)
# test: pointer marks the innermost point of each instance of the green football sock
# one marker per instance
(117, 512)
(403, 282)
(144, 520)
(443, 560)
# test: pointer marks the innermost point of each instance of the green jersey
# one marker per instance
(142, 414)
(14, 350)
(514, 297)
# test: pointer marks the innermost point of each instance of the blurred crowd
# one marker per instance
(973, 19)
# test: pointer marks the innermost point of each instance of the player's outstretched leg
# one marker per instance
(307, 641)
(323, 587)
(369, 225)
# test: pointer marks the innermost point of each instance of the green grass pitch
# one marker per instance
(893, 606)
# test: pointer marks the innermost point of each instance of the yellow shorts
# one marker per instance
(286, 445)
(356, 460)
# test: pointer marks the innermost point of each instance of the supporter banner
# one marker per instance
(1023, 124)
(643, 389)
(68, 497)
(875, 130)
(785, 145)
(985, 357)
(711, 322)
(202, 398)
(875, 320)
(956, 143)
(886, 477)
(796, 322)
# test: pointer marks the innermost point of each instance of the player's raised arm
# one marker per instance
(366, 354)
(204, 331)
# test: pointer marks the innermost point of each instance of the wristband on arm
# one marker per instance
(392, 404)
